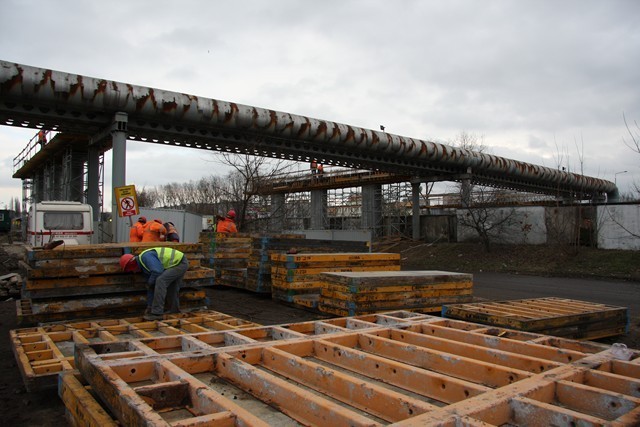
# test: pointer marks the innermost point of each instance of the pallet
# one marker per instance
(44, 351)
(551, 316)
(417, 370)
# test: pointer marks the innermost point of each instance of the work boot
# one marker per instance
(152, 316)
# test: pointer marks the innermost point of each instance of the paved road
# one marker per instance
(498, 286)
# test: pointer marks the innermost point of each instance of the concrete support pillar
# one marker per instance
(93, 182)
(319, 219)
(77, 182)
(415, 210)
(37, 191)
(465, 191)
(119, 167)
(277, 212)
(372, 209)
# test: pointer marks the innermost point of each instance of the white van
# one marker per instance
(71, 222)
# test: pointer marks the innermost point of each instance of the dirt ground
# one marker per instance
(20, 408)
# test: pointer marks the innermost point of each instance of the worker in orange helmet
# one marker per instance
(137, 229)
(164, 269)
(154, 231)
(228, 223)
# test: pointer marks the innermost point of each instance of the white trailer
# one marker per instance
(71, 222)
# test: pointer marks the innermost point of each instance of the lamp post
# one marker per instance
(615, 177)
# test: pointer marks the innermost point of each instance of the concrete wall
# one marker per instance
(619, 227)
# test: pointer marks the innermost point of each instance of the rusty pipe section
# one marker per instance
(45, 87)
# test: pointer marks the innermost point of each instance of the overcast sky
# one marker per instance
(540, 81)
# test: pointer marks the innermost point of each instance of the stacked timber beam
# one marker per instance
(297, 278)
(387, 369)
(259, 272)
(552, 316)
(355, 293)
(227, 254)
(86, 281)
(44, 351)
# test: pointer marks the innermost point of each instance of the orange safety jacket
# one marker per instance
(154, 232)
(226, 226)
(172, 232)
(136, 231)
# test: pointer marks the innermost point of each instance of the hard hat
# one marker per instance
(159, 221)
(231, 214)
(125, 260)
(142, 219)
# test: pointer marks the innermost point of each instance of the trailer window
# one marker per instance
(63, 221)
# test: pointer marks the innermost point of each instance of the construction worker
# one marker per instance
(314, 167)
(154, 231)
(164, 269)
(172, 232)
(227, 224)
(42, 137)
(137, 229)
(320, 169)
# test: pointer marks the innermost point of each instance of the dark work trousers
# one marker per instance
(168, 286)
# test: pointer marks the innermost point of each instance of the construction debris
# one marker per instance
(551, 316)
(10, 285)
(401, 369)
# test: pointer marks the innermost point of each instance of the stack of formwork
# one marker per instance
(551, 316)
(259, 271)
(86, 280)
(227, 254)
(43, 351)
(355, 293)
(297, 278)
(368, 370)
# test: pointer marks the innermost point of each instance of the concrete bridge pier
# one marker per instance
(319, 219)
(372, 209)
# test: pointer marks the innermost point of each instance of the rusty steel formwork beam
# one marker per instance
(37, 97)
(397, 368)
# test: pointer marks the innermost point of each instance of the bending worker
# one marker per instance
(137, 229)
(164, 269)
(227, 224)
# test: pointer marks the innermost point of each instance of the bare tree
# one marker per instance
(248, 171)
(147, 198)
(479, 213)
(633, 144)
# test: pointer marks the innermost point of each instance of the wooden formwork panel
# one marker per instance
(86, 270)
(293, 275)
(425, 371)
(551, 316)
(353, 293)
(44, 351)
(49, 310)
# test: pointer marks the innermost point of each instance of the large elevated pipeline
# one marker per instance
(54, 89)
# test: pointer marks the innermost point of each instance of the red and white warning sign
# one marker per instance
(127, 201)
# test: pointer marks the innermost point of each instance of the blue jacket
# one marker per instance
(151, 266)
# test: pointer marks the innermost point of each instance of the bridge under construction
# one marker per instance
(91, 115)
